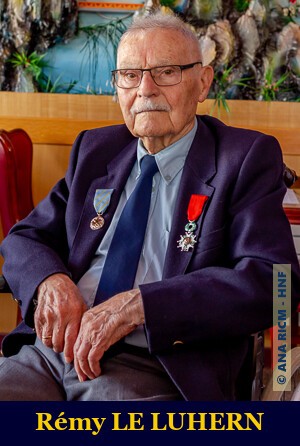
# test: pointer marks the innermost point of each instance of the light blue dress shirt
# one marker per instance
(165, 188)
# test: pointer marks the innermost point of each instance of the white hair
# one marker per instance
(159, 20)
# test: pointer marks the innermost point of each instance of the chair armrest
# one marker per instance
(4, 287)
(289, 176)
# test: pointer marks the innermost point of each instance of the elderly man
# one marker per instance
(145, 270)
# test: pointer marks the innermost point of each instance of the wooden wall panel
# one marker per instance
(8, 307)
(8, 313)
(49, 165)
(293, 161)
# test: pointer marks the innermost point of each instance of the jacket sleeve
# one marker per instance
(233, 297)
(37, 246)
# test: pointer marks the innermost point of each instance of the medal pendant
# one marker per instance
(187, 241)
(101, 201)
(97, 222)
(195, 209)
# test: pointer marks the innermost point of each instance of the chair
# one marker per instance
(15, 181)
(250, 382)
(290, 176)
(15, 177)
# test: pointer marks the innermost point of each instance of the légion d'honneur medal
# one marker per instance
(101, 201)
(195, 208)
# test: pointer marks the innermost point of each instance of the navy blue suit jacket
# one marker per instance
(211, 298)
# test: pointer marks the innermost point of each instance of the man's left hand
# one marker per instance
(101, 327)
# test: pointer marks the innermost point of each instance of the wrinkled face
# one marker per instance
(161, 115)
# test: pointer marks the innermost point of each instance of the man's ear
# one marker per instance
(207, 76)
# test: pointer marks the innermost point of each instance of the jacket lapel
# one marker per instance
(198, 170)
(86, 240)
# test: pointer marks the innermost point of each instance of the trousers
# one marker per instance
(37, 373)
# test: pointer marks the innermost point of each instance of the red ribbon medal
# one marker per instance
(195, 209)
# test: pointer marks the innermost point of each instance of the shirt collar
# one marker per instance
(170, 161)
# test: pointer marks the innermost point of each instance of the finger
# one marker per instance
(47, 330)
(58, 337)
(47, 333)
(71, 334)
(94, 361)
(81, 376)
(39, 322)
(81, 362)
(47, 339)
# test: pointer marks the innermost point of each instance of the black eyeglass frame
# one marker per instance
(142, 70)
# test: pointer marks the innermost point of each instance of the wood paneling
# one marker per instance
(53, 130)
(58, 118)
(8, 307)
(85, 107)
(49, 165)
(280, 119)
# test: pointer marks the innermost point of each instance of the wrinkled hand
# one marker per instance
(58, 314)
(101, 327)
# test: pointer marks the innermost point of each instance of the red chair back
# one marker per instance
(15, 177)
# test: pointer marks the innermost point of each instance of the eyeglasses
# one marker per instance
(164, 76)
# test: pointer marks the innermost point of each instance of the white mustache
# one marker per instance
(148, 106)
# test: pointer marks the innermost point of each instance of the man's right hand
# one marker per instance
(57, 318)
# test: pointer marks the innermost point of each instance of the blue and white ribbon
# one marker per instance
(102, 199)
